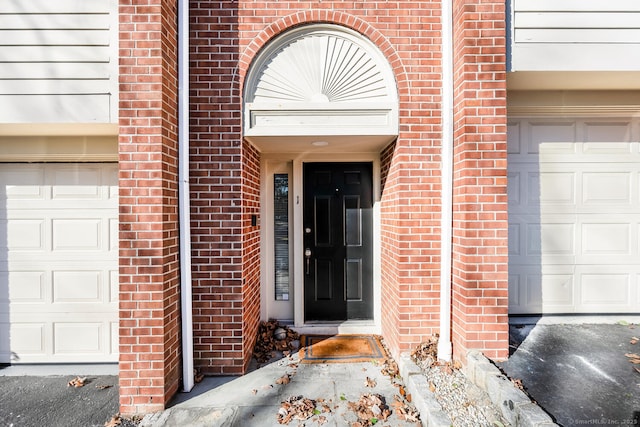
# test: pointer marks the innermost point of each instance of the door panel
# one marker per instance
(338, 223)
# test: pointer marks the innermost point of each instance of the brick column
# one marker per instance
(480, 258)
(149, 270)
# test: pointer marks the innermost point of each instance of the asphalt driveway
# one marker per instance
(38, 395)
(579, 372)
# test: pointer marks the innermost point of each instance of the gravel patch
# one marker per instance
(466, 404)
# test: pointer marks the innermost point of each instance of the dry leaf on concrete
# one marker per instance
(283, 379)
(296, 407)
(77, 382)
(369, 382)
(114, 421)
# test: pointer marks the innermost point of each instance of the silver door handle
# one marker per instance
(307, 255)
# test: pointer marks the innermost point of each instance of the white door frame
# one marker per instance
(274, 164)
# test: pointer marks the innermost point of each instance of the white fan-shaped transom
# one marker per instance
(320, 65)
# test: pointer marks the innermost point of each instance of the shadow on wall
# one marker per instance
(525, 230)
(5, 325)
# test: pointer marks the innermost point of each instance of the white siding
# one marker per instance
(575, 35)
(59, 61)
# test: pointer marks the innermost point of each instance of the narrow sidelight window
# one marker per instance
(281, 235)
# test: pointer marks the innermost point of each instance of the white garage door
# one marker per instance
(574, 216)
(58, 262)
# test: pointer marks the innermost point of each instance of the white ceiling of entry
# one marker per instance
(322, 144)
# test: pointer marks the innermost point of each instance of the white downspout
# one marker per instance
(183, 196)
(446, 214)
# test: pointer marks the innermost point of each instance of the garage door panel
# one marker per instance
(27, 286)
(29, 339)
(605, 239)
(58, 275)
(77, 234)
(22, 182)
(551, 138)
(551, 239)
(552, 188)
(609, 137)
(550, 291)
(58, 341)
(74, 337)
(574, 242)
(77, 286)
(76, 183)
(23, 234)
(598, 290)
(606, 187)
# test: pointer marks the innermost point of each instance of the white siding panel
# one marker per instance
(37, 37)
(578, 35)
(575, 57)
(576, 19)
(57, 6)
(575, 35)
(59, 70)
(56, 22)
(56, 50)
(66, 55)
(54, 87)
(577, 5)
(574, 204)
(80, 108)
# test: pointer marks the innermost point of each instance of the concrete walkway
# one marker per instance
(255, 399)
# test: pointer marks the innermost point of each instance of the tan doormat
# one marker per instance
(341, 349)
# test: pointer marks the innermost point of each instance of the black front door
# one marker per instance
(338, 228)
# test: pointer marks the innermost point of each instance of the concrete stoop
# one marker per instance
(516, 407)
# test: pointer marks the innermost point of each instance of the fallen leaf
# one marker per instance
(632, 355)
(432, 387)
(103, 386)
(296, 407)
(408, 397)
(283, 379)
(623, 322)
(402, 391)
(114, 421)
(637, 369)
(197, 375)
(634, 340)
(370, 383)
(77, 382)
(254, 391)
(518, 383)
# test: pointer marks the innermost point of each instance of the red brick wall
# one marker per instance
(480, 287)
(408, 35)
(149, 271)
(225, 193)
(225, 36)
(251, 250)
